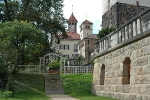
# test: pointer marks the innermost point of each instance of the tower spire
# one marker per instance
(72, 9)
(86, 15)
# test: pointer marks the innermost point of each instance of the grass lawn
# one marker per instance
(28, 95)
(28, 87)
(80, 86)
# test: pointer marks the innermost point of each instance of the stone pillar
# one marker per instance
(135, 28)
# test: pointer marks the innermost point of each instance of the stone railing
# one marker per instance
(28, 69)
(135, 27)
(77, 69)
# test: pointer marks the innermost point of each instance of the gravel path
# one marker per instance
(61, 97)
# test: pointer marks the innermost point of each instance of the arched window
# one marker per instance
(102, 75)
(126, 71)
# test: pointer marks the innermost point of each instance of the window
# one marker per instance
(126, 71)
(75, 47)
(68, 47)
(59, 46)
(87, 27)
(64, 47)
(102, 75)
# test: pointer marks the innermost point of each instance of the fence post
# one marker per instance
(87, 69)
(75, 69)
(64, 69)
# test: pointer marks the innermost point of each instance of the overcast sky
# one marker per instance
(93, 8)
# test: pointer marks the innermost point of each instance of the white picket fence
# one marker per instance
(77, 69)
(34, 69)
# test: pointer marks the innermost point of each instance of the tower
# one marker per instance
(72, 24)
(117, 12)
(86, 29)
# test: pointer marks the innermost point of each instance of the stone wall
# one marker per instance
(120, 13)
(127, 72)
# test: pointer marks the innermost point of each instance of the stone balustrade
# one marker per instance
(133, 28)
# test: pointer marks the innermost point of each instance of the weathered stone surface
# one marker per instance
(136, 71)
(142, 79)
(135, 89)
(145, 97)
(145, 69)
(121, 82)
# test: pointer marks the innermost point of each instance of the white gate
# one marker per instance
(44, 61)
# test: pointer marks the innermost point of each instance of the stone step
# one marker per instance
(60, 91)
(53, 84)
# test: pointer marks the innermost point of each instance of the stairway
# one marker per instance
(53, 84)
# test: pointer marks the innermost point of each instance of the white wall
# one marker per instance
(71, 47)
(133, 2)
(84, 31)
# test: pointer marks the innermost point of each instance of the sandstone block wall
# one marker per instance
(116, 85)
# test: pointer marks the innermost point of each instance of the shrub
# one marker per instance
(102, 33)
(54, 64)
(6, 94)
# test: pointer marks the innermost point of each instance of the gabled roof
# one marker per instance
(71, 35)
(72, 18)
(91, 37)
(87, 22)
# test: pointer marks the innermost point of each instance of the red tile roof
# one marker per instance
(87, 22)
(72, 18)
(71, 35)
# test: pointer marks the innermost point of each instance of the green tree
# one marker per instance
(46, 15)
(79, 60)
(21, 43)
(3, 73)
(102, 33)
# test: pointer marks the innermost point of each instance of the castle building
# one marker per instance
(117, 12)
(68, 46)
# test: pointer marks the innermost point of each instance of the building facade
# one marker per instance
(117, 12)
(68, 46)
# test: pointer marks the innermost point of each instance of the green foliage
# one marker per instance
(28, 87)
(80, 86)
(46, 15)
(79, 60)
(77, 83)
(9, 86)
(6, 94)
(21, 42)
(30, 80)
(54, 64)
(102, 33)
